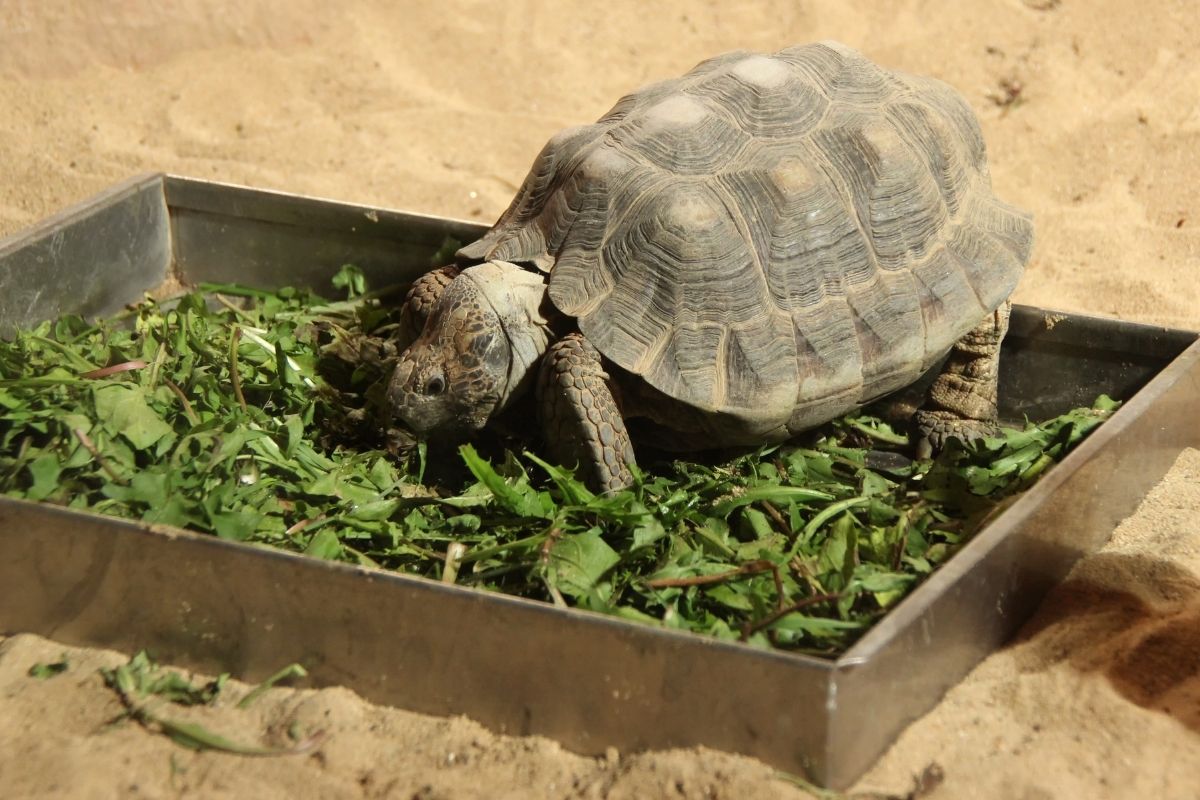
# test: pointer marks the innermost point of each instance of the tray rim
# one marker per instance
(875, 641)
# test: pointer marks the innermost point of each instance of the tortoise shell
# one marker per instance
(776, 236)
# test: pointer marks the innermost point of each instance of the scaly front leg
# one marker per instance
(419, 302)
(582, 423)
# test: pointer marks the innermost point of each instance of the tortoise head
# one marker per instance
(471, 357)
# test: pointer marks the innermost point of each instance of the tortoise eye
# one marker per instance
(436, 385)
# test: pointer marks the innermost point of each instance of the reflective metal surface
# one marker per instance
(122, 238)
(984, 593)
(223, 233)
(515, 665)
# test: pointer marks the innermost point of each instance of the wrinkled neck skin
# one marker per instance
(516, 296)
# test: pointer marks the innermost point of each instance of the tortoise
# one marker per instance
(727, 259)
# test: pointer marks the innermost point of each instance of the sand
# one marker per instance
(1092, 121)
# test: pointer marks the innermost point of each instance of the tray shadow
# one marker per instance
(1133, 618)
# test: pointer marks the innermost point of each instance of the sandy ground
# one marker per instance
(1091, 115)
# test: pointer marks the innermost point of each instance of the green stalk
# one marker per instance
(828, 513)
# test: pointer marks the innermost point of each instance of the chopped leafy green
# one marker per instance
(139, 682)
(288, 672)
(141, 678)
(257, 417)
(49, 670)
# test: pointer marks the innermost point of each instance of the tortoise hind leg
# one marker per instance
(582, 424)
(961, 403)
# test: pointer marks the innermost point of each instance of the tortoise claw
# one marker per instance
(936, 428)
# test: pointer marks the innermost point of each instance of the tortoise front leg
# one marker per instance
(419, 302)
(961, 403)
(582, 423)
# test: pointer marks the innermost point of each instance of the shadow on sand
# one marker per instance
(1132, 618)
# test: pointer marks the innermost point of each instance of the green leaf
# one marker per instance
(756, 524)
(295, 434)
(45, 471)
(579, 561)
(874, 581)
(122, 409)
(175, 510)
(572, 490)
(141, 677)
(647, 530)
(826, 514)
(382, 475)
(375, 510)
(874, 484)
(197, 737)
(238, 526)
(773, 494)
(729, 597)
(43, 671)
(325, 545)
(351, 279)
(517, 497)
(840, 552)
(283, 372)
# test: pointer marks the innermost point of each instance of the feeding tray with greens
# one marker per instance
(257, 421)
(231, 407)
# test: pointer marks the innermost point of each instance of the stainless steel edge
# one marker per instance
(979, 598)
(285, 207)
(1056, 360)
(517, 666)
(90, 259)
(77, 211)
(225, 233)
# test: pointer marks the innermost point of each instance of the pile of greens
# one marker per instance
(255, 416)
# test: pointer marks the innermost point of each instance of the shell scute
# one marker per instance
(773, 237)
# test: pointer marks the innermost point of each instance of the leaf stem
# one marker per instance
(877, 434)
(304, 523)
(104, 372)
(487, 552)
(489, 574)
(160, 356)
(749, 568)
(223, 300)
(290, 671)
(235, 290)
(784, 526)
(454, 553)
(750, 628)
(828, 513)
(90, 446)
(234, 378)
(188, 411)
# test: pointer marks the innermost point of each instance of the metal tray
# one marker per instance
(518, 666)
